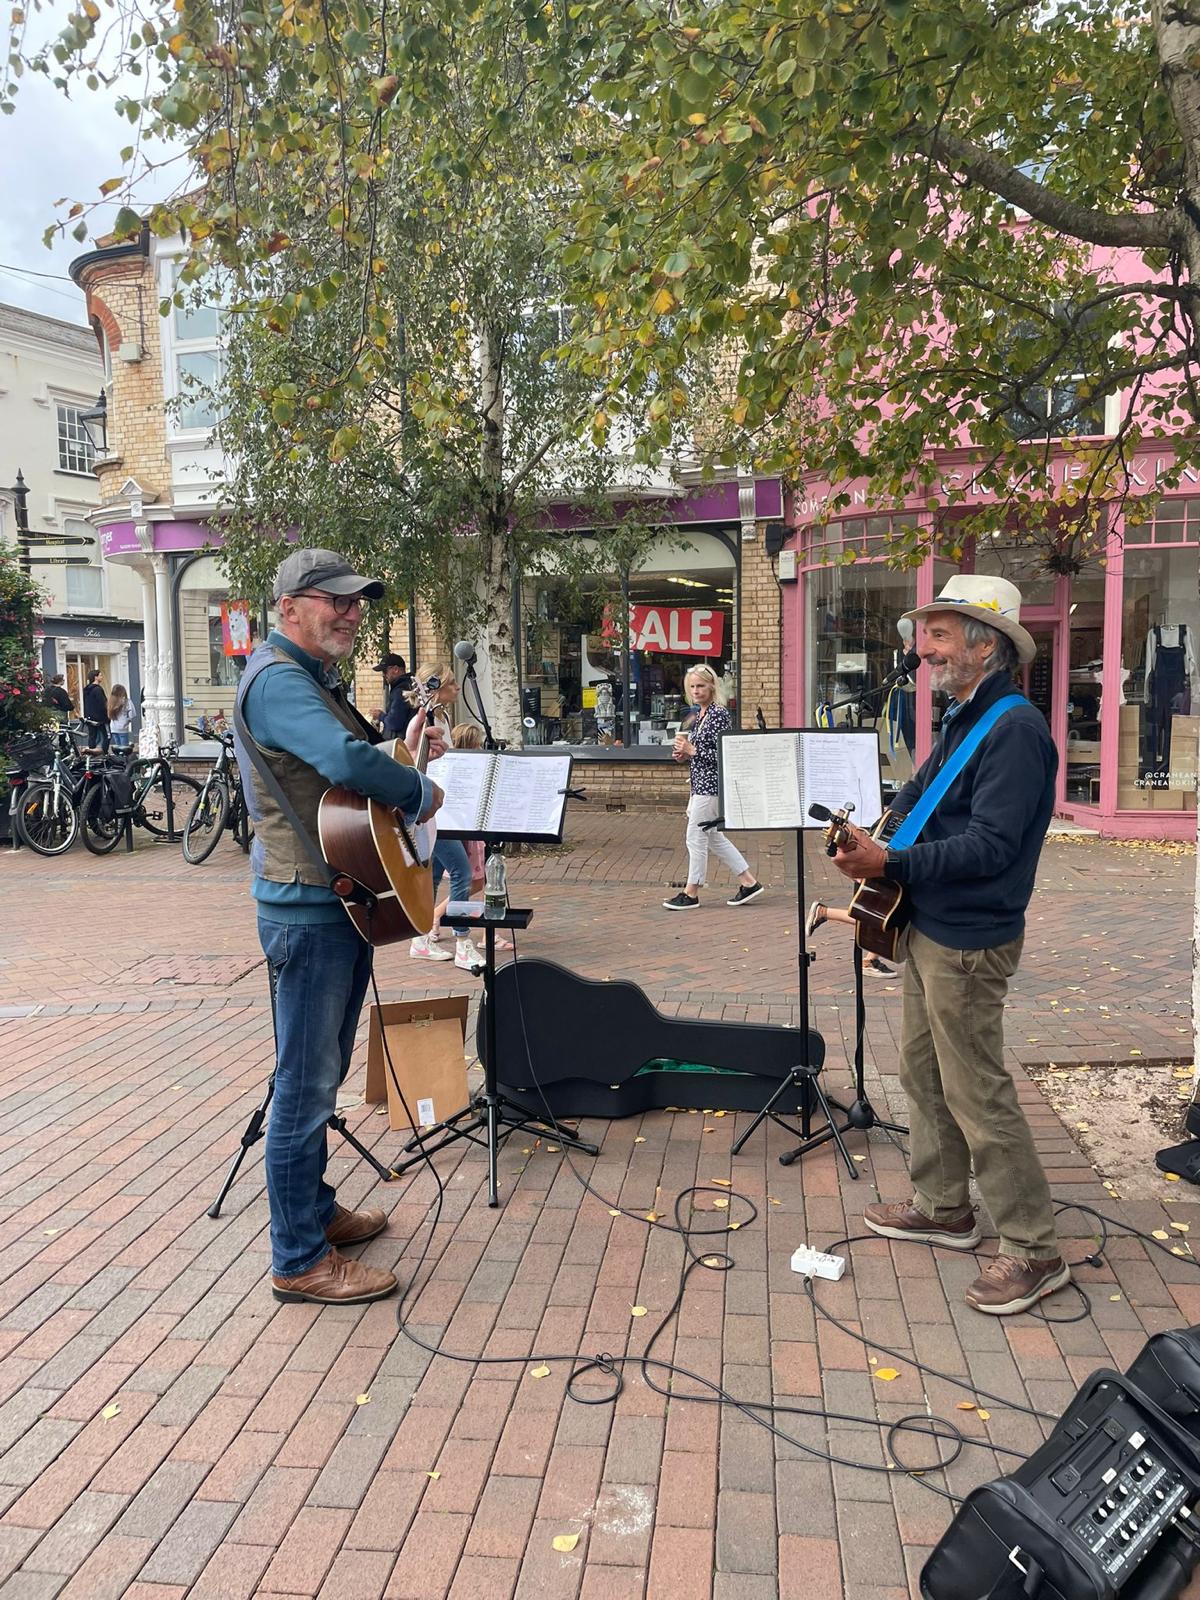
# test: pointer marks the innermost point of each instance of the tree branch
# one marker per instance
(1141, 229)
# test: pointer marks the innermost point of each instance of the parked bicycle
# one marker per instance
(142, 792)
(48, 791)
(219, 805)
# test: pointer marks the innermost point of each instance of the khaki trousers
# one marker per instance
(962, 1102)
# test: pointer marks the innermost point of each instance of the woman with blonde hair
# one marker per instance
(432, 696)
(703, 690)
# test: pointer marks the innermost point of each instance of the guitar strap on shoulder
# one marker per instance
(911, 828)
(358, 893)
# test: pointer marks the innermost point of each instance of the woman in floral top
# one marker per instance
(698, 747)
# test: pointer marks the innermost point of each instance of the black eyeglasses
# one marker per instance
(341, 603)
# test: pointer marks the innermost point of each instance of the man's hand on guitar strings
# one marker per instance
(859, 856)
(435, 801)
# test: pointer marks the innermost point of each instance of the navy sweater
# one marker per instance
(970, 874)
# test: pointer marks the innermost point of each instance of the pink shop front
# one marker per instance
(1116, 675)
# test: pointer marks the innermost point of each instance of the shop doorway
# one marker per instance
(79, 664)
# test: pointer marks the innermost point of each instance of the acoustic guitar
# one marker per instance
(879, 908)
(373, 844)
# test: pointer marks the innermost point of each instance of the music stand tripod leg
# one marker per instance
(830, 1131)
(793, 1081)
(253, 1133)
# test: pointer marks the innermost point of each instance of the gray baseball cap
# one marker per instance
(324, 570)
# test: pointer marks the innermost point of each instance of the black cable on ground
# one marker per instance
(927, 1425)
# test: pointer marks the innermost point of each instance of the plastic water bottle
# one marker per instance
(495, 887)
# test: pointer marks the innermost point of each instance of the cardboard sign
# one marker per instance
(676, 630)
(235, 628)
(425, 1041)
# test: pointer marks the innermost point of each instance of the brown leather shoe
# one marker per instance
(904, 1221)
(1008, 1285)
(355, 1227)
(336, 1281)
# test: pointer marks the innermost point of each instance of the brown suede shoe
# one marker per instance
(1008, 1285)
(904, 1221)
(336, 1281)
(355, 1227)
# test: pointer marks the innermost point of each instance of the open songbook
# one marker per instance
(769, 780)
(501, 794)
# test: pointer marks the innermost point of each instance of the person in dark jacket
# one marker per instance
(95, 708)
(398, 710)
(969, 878)
(56, 697)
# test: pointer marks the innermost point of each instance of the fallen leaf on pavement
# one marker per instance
(564, 1543)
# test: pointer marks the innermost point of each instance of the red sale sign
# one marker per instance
(676, 630)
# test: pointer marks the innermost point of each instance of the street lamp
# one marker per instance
(95, 422)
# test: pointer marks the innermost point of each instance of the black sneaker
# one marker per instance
(877, 967)
(682, 902)
(744, 895)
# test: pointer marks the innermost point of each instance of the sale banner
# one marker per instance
(677, 630)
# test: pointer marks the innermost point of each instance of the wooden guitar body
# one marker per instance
(370, 843)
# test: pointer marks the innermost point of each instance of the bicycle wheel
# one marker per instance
(99, 820)
(151, 811)
(205, 822)
(47, 822)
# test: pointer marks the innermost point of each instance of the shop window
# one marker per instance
(571, 667)
(854, 644)
(74, 446)
(1022, 564)
(1085, 686)
(1175, 521)
(1160, 682)
(197, 334)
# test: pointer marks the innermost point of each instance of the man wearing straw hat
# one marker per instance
(968, 869)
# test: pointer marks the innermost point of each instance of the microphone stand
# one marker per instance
(477, 710)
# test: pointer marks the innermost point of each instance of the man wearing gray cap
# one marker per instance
(311, 738)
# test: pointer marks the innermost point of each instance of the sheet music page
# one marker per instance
(527, 795)
(760, 780)
(462, 776)
(837, 768)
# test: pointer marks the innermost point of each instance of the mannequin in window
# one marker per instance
(1170, 674)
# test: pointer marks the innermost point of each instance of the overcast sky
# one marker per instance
(52, 147)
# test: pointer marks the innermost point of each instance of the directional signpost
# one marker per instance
(59, 561)
(37, 540)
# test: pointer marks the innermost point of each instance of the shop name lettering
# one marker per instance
(1143, 472)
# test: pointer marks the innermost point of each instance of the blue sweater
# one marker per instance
(285, 710)
(970, 875)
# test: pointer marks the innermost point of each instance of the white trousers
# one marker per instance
(703, 808)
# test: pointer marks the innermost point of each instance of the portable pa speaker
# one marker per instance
(1103, 1509)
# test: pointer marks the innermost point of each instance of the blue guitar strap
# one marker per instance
(910, 829)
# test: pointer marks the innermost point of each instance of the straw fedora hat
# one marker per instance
(992, 600)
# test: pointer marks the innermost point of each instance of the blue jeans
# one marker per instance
(321, 975)
(450, 856)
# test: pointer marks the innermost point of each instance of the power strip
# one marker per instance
(816, 1264)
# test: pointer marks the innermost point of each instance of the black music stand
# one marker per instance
(767, 787)
(489, 1117)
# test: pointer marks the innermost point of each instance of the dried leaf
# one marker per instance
(720, 1203)
(885, 1374)
(1083, 1126)
(1181, 1227)
(1114, 1297)
(111, 1411)
(965, 1405)
(433, 1475)
(723, 1183)
(718, 1113)
(1176, 1251)
(613, 1212)
(637, 1311)
(734, 1226)
(713, 1261)
(362, 1399)
(652, 1216)
(639, 1139)
(860, 1158)
(50, 1233)
(539, 1372)
(1135, 1052)
(552, 1149)
(1171, 1177)
(984, 1416)
(564, 1543)
(1160, 1233)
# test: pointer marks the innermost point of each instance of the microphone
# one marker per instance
(465, 651)
(903, 672)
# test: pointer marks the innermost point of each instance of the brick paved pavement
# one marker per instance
(134, 1040)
